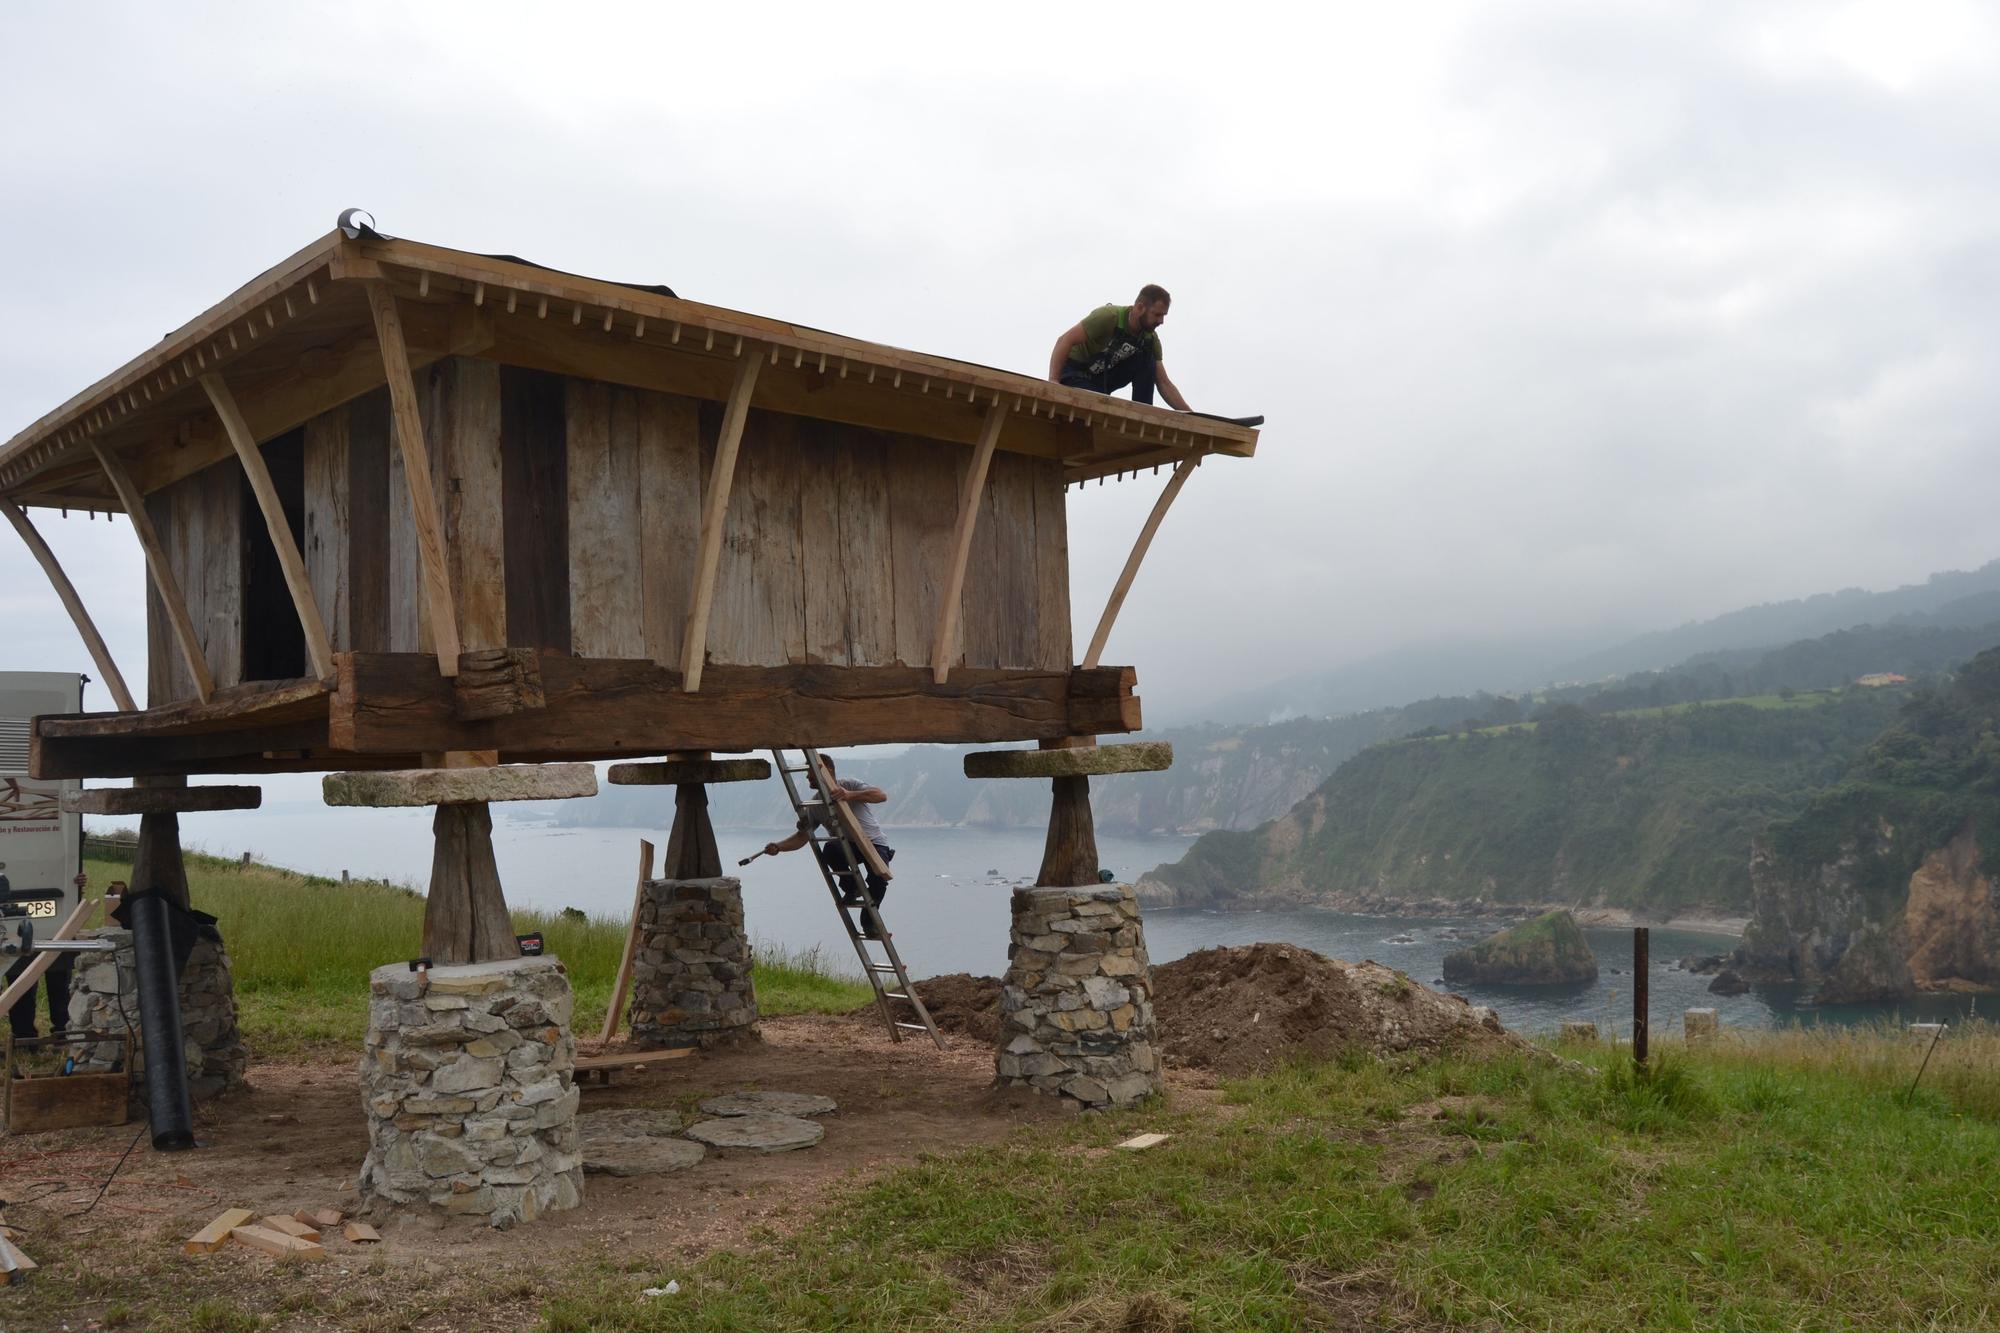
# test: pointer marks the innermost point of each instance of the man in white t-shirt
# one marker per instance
(857, 796)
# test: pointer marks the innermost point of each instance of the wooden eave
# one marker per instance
(298, 340)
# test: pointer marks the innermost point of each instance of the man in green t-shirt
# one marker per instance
(1117, 345)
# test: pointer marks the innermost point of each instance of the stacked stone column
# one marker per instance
(104, 988)
(690, 965)
(104, 991)
(1076, 1005)
(691, 983)
(468, 1079)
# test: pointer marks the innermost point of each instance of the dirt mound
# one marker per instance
(1241, 1010)
(959, 1002)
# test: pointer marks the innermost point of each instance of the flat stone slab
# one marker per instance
(634, 1141)
(161, 800)
(1096, 761)
(774, 1103)
(679, 772)
(760, 1131)
(456, 786)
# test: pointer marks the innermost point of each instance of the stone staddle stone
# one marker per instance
(1699, 1025)
(104, 990)
(759, 1131)
(691, 982)
(635, 1141)
(468, 1087)
(777, 1103)
(1076, 1005)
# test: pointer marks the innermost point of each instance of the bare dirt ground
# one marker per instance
(296, 1138)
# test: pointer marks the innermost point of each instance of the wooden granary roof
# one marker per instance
(296, 340)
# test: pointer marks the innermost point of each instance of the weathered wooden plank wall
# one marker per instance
(461, 403)
(850, 587)
(200, 523)
(571, 513)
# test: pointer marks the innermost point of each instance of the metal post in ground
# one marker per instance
(1641, 947)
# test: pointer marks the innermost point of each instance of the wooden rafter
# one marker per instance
(417, 474)
(319, 647)
(714, 510)
(92, 640)
(1132, 562)
(164, 581)
(971, 490)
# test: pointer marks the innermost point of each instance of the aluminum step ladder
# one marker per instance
(863, 920)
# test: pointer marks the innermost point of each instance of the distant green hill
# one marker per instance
(1654, 808)
(1881, 885)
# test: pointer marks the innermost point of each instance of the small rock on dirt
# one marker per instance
(758, 1132)
(634, 1141)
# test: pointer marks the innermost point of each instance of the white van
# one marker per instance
(40, 845)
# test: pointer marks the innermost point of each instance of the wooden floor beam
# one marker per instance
(390, 708)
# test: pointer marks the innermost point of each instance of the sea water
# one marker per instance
(948, 908)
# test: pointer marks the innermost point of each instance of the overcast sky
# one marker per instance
(1566, 317)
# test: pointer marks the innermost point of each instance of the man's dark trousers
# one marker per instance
(56, 982)
(850, 888)
(1137, 371)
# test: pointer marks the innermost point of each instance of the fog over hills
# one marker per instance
(1950, 598)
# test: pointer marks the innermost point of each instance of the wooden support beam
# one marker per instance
(164, 582)
(92, 640)
(1069, 856)
(714, 511)
(970, 491)
(465, 913)
(619, 988)
(692, 852)
(682, 772)
(319, 647)
(409, 424)
(1124, 585)
(493, 682)
(386, 704)
(1094, 761)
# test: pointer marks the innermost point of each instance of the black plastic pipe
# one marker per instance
(167, 1102)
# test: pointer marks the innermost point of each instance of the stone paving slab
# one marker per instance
(634, 1141)
(776, 1103)
(759, 1131)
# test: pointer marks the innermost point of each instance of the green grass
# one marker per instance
(1741, 1187)
(1769, 1181)
(302, 946)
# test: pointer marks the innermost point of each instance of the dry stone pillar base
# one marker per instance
(691, 976)
(104, 989)
(469, 1089)
(1076, 1005)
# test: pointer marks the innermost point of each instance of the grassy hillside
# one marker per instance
(302, 947)
(1654, 808)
